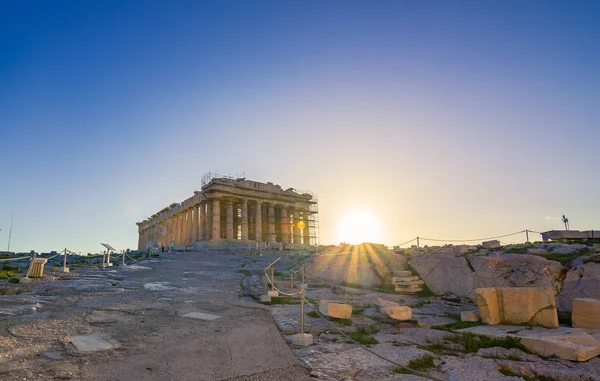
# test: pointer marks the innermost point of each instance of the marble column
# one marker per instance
(188, 229)
(202, 222)
(297, 231)
(140, 239)
(216, 219)
(188, 226)
(258, 222)
(229, 221)
(195, 211)
(172, 229)
(180, 221)
(244, 220)
(285, 226)
(271, 215)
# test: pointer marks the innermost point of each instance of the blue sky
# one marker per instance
(436, 118)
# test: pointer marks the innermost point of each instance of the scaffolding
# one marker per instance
(208, 177)
(313, 216)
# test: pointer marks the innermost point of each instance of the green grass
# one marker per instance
(564, 259)
(284, 300)
(423, 364)
(438, 349)
(363, 335)
(519, 249)
(357, 311)
(313, 314)
(452, 327)
(13, 280)
(343, 322)
(472, 343)
(9, 272)
(5, 274)
(318, 285)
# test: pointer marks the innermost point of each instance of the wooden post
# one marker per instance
(30, 263)
(527, 235)
(302, 317)
(418, 242)
(65, 259)
(302, 274)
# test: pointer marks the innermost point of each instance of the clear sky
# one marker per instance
(443, 119)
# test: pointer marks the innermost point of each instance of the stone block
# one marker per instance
(517, 305)
(398, 312)
(93, 342)
(469, 316)
(265, 299)
(586, 313)
(403, 273)
(36, 269)
(573, 344)
(408, 289)
(302, 339)
(274, 294)
(461, 249)
(201, 316)
(336, 310)
(25, 280)
(493, 244)
(64, 269)
(381, 303)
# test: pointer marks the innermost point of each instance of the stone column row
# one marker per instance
(235, 225)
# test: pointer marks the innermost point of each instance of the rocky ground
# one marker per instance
(195, 316)
(176, 317)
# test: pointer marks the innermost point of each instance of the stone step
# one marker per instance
(405, 278)
(410, 292)
(408, 289)
(409, 283)
(402, 273)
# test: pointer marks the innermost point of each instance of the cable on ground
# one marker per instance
(416, 372)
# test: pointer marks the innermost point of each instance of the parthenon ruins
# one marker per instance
(228, 211)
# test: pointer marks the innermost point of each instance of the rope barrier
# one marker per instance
(14, 259)
(350, 338)
(470, 240)
(402, 244)
(135, 260)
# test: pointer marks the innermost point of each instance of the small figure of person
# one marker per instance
(565, 220)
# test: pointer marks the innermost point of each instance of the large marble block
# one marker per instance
(517, 305)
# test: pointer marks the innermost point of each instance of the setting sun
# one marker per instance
(357, 227)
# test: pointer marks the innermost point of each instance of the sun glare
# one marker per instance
(358, 227)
